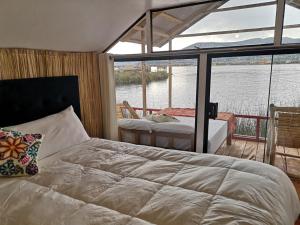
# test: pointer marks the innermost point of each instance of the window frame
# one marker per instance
(278, 28)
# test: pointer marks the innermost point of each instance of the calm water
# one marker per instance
(237, 88)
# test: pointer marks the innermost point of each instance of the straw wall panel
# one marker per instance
(24, 63)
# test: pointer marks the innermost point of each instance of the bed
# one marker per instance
(173, 135)
(105, 182)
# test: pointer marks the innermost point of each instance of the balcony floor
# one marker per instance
(255, 151)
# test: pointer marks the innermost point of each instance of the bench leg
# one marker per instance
(229, 139)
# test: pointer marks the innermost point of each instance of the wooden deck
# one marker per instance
(255, 151)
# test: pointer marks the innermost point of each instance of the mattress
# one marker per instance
(101, 182)
(217, 132)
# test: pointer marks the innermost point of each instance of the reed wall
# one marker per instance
(25, 63)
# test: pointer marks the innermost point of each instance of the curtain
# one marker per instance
(24, 63)
(108, 97)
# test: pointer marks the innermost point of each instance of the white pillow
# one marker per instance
(61, 130)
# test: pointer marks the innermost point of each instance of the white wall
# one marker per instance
(70, 25)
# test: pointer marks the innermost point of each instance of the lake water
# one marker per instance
(237, 88)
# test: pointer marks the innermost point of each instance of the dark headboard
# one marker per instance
(24, 100)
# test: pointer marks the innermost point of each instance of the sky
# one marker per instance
(227, 20)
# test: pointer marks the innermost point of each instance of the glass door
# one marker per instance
(240, 88)
(258, 100)
(284, 124)
(156, 102)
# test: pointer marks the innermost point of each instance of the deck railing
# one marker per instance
(256, 138)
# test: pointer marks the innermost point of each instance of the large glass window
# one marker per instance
(121, 48)
(234, 3)
(258, 99)
(284, 92)
(128, 76)
(291, 31)
(152, 89)
(213, 25)
(218, 41)
(285, 88)
(169, 83)
(240, 86)
(238, 19)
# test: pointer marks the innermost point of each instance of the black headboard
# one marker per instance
(24, 100)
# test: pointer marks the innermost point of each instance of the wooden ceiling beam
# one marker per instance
(131, 40)
(294, 3)
(170, 17)
(192, 19)
(155, 31)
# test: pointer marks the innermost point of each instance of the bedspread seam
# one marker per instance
(185, 188)
(185, 164)
(210, 204)
(178, 161)
(84, 202)
(163, 185)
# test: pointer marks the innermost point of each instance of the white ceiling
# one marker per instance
(70, 25)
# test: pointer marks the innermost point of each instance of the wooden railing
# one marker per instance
(256, 138)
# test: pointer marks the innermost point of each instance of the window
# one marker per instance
(128, 76)
(217, 24)
(291, 30)
(240, 85)
(233, 3)
(247, 86)
(160, 86)
(286, 80)
(218, 41)
(169, 83)
(214, 25)
(125, 48)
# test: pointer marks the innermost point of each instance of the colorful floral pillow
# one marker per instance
(18, 153)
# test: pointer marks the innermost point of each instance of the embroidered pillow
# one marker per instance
(18, 153)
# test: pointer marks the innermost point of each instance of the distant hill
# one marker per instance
(243, 60)
(254, 41)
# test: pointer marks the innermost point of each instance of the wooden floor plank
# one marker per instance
(260, 152)
(237, 149)
(225, 149)
(243, 150)
(221, 150)
(228, 148)
(255, 151)
(249, 151)
(292, 151)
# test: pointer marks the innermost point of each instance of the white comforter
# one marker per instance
(104, 182)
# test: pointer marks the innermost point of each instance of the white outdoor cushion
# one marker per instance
(61, 130)
(173, 127)
(135, 124)
(161, 118)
